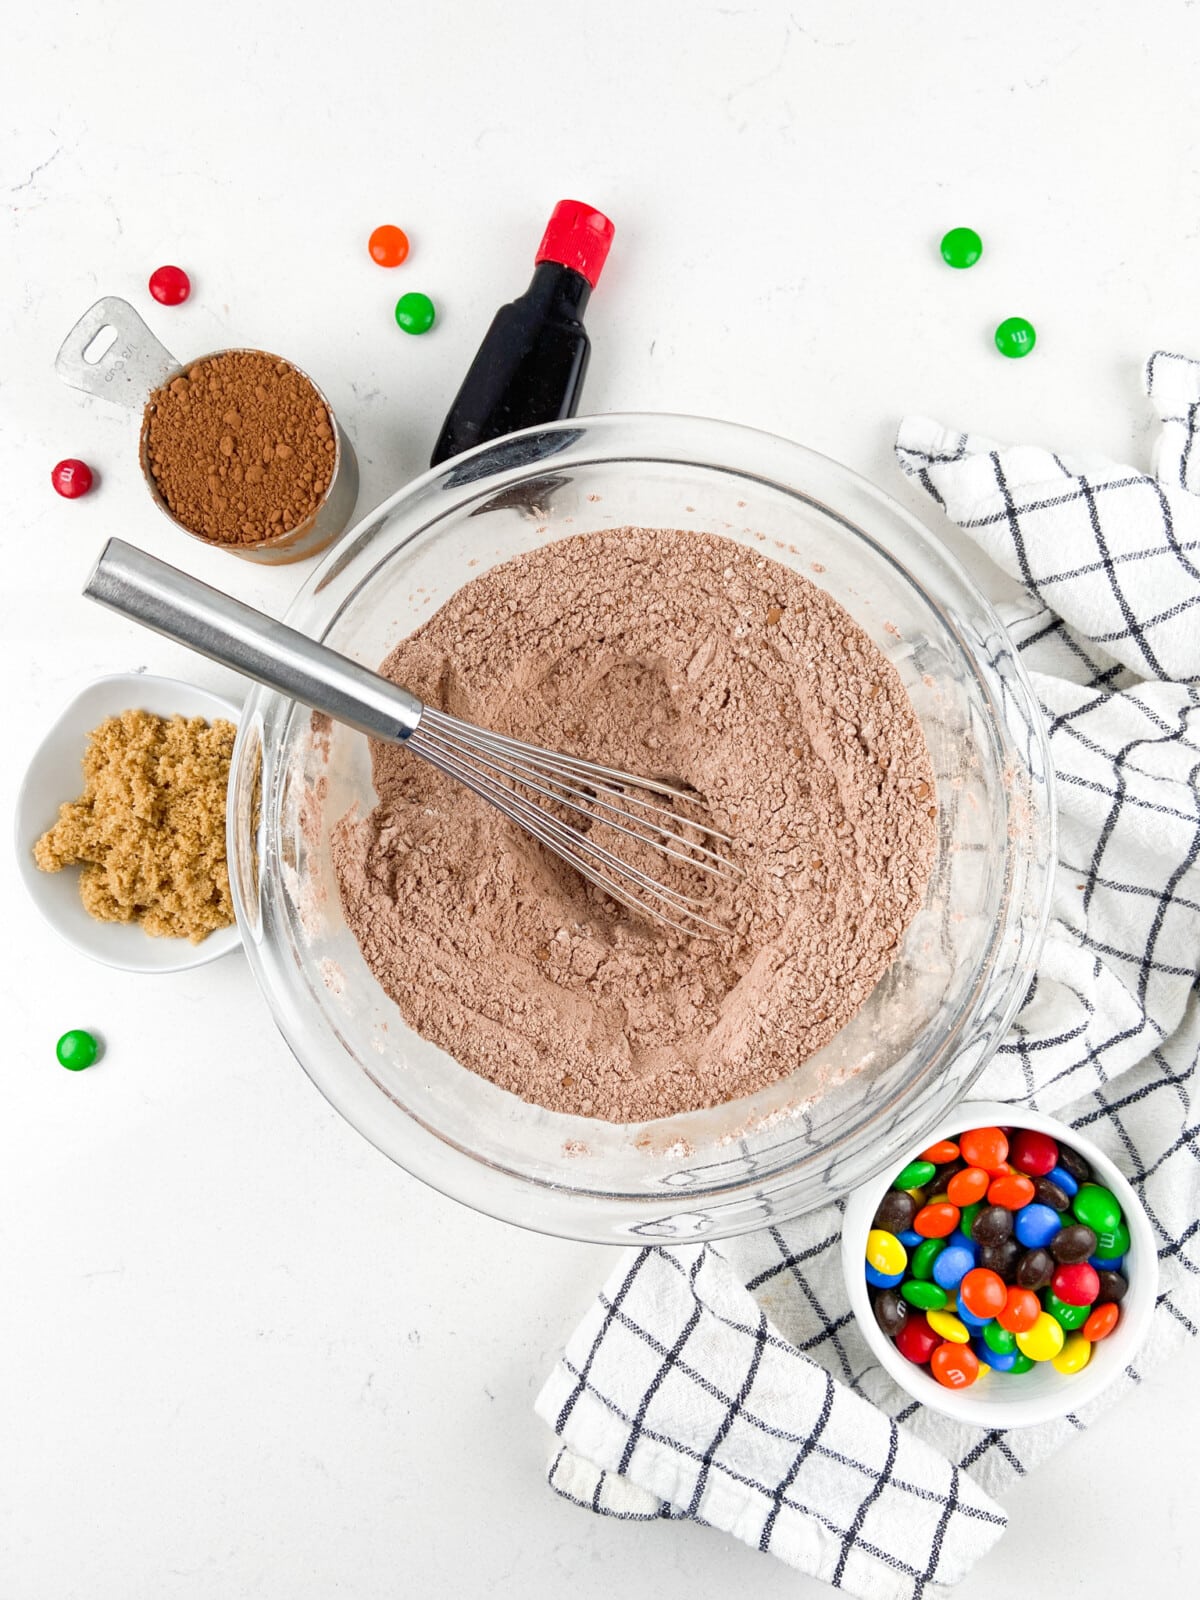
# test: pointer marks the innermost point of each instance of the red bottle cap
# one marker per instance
(577, 236)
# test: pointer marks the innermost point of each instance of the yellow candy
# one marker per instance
(938, 1199)
(1074, 1355)
(948, 1325)
(918, 1195)
(885, 1252)
(1043, 1341)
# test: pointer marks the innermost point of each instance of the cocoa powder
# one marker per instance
(241, 447)
(678, 655)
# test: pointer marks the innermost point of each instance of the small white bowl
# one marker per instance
(56, 774)
(997, 1399)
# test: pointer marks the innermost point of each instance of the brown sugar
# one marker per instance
(240, 446)
(682, 656)
(149, 828)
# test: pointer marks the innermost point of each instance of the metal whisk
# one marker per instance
(540, 790)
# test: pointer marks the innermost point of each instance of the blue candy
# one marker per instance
(1064, 1180)
(969, 1317)
(958, 1237)
(952, 1266)
(1116, 1264)
(993, 1358)
(883, 1280)
(910, 1238)
(1035, 1225)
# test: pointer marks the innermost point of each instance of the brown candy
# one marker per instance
(1071, 1161)
(1049, 1194)
(1075, 1243)
(1113, 1287)
(1035, 1269)
(1001, 1258)
(896, 1212)
(992, 1225)
(891, 1311)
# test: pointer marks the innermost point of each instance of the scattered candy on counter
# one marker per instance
(997, 1250)
(1015, 337)
(71, 478)
(170, 286)
(414, 312)
(77, 1049)
(388, 245)
(961, 247)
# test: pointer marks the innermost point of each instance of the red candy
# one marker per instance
(984, 1147)
(983, 1292)
(1012, 1191)
(955, 1366)
(170, 286)
(967, 1186)
(71, 478)
(916, 1340)
(1101, 1322)
(942, 1153)
(936, 1221)
(1077, 1284)
(1020, 1311)
(1035, 1153)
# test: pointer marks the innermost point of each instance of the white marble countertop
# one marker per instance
(240, 1353)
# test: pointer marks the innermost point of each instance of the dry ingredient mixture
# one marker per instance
(149, 828)
(676, 655)
(241, 447)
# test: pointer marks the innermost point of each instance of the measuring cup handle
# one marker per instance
(129, 367)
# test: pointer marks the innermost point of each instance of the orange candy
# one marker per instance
(983, 1292)
(967, 1186)
(955, 1366)
(936, 1222)
(942, 1153)
(1101, 1323)
(388, 245)
(984, 1147)
(1020, 1311)
(1012, 1191)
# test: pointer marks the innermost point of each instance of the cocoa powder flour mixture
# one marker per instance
(675, 655)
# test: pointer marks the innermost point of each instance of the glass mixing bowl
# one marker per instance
(932, 1022)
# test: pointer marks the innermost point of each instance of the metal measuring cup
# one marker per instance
(134, 364)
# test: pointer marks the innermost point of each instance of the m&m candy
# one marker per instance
(77, 1050)
(1015, 337)
(996, 1251)
(415, 313)
(961, 247)
(71, 478)
(388, 245)
(170, 286)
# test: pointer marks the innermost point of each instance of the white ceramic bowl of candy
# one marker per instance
(1010, 1278)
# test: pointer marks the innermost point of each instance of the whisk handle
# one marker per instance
(182, 608)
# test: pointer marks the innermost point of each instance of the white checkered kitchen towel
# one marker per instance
(730, 1384)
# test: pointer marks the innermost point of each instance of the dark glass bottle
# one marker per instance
(531, 365)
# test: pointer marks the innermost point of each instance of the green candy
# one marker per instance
(1023, 1363)
(76, 1050)
(961, 247)
(921, 1261)
(999, 1339)
(1098, 1208)
(922, 1294)
(1113, 1242)
(415, 313)
(1068, 1317)
(914, 1176)
(1015, 337)
(967, 1221)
